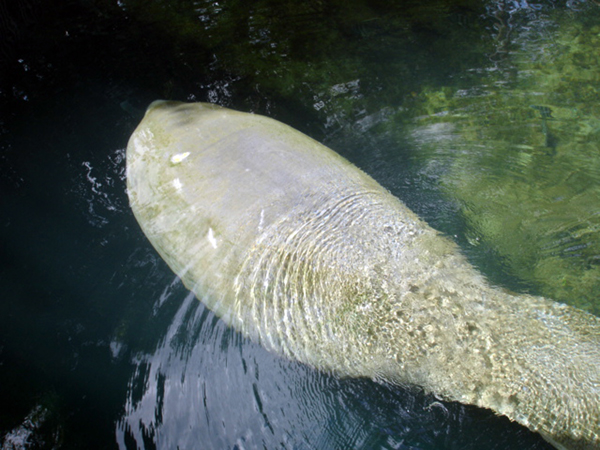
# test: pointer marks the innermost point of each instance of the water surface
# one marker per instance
(482, 116)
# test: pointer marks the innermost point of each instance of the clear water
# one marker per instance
(433, 99)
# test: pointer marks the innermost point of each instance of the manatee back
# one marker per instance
(208, 185)
(294, 246)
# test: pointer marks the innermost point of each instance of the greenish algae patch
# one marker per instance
(520, 155)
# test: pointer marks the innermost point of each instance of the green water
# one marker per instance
(520, 154)
(481, 116)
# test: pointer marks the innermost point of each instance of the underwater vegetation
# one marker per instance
(520, 155)
(331, 59)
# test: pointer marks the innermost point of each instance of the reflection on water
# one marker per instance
(100, 181)
(206, 387)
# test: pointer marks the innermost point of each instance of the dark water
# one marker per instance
(100, 344)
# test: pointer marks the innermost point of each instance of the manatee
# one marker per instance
(298, 249)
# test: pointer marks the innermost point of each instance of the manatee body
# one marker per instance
(295, 247)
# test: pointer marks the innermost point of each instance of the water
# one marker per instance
(96, 330)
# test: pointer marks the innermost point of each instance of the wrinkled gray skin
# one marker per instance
(295, 247)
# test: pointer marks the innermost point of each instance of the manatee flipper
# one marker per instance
(296, 248)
